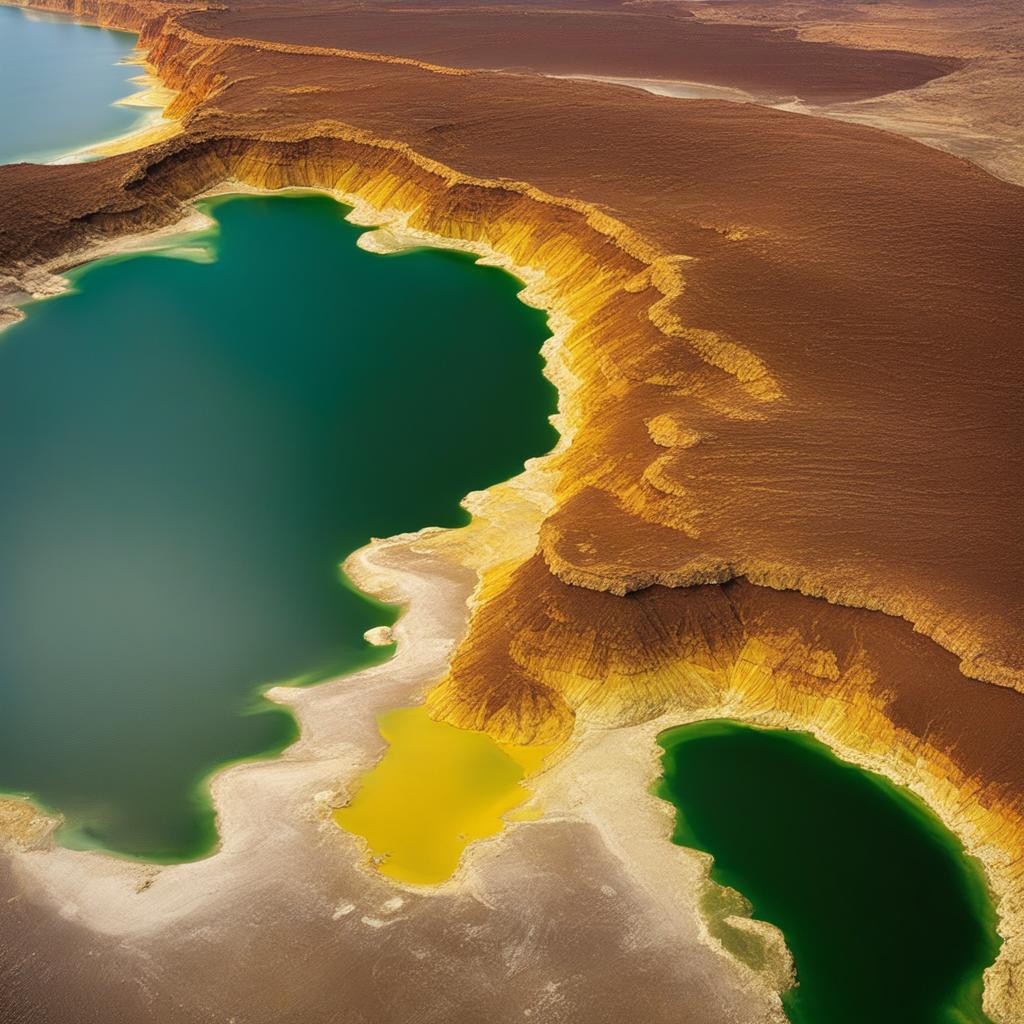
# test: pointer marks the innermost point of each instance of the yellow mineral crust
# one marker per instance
(24, 826)
(436, 789)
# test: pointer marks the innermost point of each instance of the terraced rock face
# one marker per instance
(791, 383)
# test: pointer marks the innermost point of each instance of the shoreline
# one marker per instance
(319, 867)
(387, 233)
(153, 99)
(391, 568)
(103, 893)
(47, 280)
(53, 283)
(968, 886)
(637, 825)
(739, 363)
(150, 96)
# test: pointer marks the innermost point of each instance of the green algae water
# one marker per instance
(189, 448)
(887, 920)
(58, 85)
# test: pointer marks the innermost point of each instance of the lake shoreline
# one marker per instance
(154, 100)
(861, 844)
(148, 97)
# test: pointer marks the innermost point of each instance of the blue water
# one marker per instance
(58, 84)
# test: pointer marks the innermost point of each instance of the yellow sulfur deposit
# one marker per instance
(437, 789)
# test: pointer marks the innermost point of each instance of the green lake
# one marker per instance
(887, 920)
(191, 441)
(58, 84)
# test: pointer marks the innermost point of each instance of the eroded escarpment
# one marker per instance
(543, 656)
(124, 15)
(809, 402)
(89, 938)
(820, 354)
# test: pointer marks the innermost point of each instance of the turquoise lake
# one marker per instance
(189, 449)
(58, 84)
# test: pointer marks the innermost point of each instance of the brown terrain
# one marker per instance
(789, 359)
(616, 40)
(975, 111)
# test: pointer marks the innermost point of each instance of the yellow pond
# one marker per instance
(436, 790)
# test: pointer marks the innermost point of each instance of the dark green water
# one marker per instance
(888, 921)
(188, 452)
(58, 81)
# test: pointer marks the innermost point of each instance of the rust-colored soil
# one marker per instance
(612, 41)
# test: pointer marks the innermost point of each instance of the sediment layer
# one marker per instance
(620, 40)
(792, 356)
